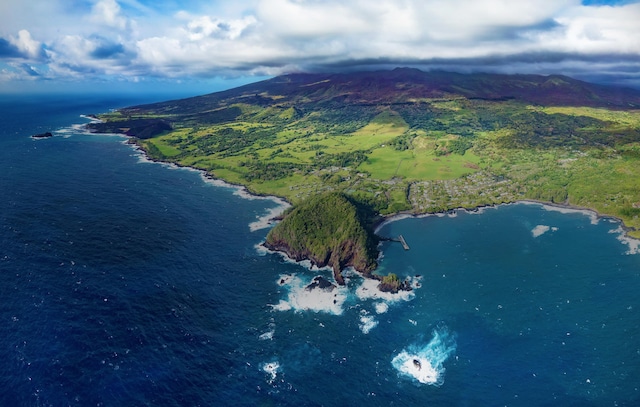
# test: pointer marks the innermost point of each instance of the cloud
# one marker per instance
(92, 55)
(312, 19)
(202, 27)
(131, 38)
(24, 46)
(285, 33)
(305, 33)
(109, 13)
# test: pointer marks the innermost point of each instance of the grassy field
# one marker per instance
(460, 154)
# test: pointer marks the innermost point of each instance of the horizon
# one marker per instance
(183, 91)
(199, 47)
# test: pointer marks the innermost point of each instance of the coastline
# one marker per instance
(272, 216)
(626, 238)
(239, 190)
(250, 194)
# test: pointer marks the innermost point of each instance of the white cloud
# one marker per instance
(204, 26)
(312, 19)
(601, 29)
(109, 13)
(27, 45)
(274, 35)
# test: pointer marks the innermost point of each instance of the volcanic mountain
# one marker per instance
(399, 86)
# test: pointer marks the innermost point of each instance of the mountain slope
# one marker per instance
(404, 85)
(407, 140)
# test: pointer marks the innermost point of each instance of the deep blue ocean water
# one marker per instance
(129, 283)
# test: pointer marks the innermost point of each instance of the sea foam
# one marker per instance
(593, 216)
(381, 307)
(367, 322)
(541, 230)
(424, 363)
(300, 297)
(262, 222)
(368, 290)
(272, 369)
(266, 220)
(633, 244)
(268, 335)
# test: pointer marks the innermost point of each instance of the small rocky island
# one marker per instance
(42, 135)
(333, 230)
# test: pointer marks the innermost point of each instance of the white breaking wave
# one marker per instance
(540, 230)
(261, 250)
(381, 307)
(266, 220)
(424, 363)
(269, 334)
(272, 369)
(301, 298)
(367, 322)
(91, 119)
(593, 216)
(633, 244)
(368, 290)
(80, 129)
(452, 214)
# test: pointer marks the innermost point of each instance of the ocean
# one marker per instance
(130, 283)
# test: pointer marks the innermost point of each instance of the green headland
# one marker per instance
(328, 229)
(405, 141)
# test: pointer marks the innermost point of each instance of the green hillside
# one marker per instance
(406, 140)
(330, 230)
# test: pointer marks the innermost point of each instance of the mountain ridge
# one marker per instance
(406, 85)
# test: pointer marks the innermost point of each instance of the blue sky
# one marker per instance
(200, 46)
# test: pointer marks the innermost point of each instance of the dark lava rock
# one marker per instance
(321, 283)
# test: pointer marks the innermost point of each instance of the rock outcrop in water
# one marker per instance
(42, 135)
(392, 284)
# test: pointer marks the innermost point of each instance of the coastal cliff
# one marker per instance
(329, 230)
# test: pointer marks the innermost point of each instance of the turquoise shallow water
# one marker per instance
(124, 282)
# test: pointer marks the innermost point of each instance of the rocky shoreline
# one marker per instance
(339, 262)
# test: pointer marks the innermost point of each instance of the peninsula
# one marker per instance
(401, 141)
(329, 230)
